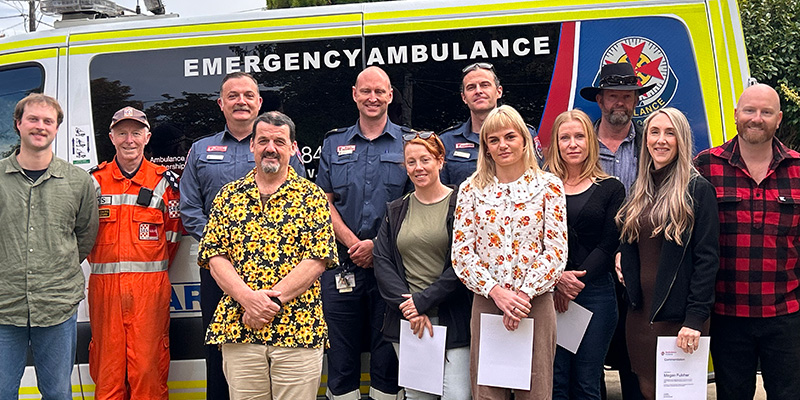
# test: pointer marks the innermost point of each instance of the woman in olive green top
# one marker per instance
(412, 264)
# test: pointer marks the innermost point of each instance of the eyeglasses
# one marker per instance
(407, 137)
(474, 66)
(617, 80)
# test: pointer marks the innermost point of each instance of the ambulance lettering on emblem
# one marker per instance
(652, 68)
(148, 232)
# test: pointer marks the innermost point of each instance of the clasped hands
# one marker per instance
(514, 305)
(418, 321)
(259, 309)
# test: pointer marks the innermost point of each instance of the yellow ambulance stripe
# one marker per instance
(219, 28)
(29, 43)
(321, 33)
(199, 384)
(33, 55)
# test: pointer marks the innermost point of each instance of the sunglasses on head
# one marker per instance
(616, 80)
(474, 66)
(413, 135)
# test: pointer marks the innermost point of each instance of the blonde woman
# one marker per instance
(593, 199)
(510, 244)
(669, 229)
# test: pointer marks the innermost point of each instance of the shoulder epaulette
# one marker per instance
(532, 128)
(452, 128)
(97, 167)
(172, 179)
(333, 131)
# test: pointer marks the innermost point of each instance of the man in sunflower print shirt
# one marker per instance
(268, 239)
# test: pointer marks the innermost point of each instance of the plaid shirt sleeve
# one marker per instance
(759, 274)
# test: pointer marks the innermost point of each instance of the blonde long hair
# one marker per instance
(503, 117)
(670, 207)
(591, 166)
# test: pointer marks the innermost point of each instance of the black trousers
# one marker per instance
(737, 346)
(210, 294)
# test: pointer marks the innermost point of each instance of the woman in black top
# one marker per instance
(593, 199)
(670, 246)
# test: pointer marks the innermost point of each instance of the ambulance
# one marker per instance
(307, 59)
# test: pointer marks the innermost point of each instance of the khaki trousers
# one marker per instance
(255, 371)
(544, 350)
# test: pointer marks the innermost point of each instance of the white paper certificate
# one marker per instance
(571, 326)
(504, 358)
(422, 360)
(681, 375)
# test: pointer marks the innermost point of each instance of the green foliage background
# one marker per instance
(772, 36)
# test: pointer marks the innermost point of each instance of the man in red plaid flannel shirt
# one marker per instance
(756, 315)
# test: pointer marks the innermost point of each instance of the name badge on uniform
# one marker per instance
(215, 157)
(104, 213)
(462, 154)
(345, 282)
(346, 149)
(465, 145)
(217, 148)
(104, 200)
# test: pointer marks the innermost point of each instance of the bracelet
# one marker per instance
(277, 301)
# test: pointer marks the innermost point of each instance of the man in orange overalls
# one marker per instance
(129, 289)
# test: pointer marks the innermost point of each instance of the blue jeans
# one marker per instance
(579, 376)
(53, 357)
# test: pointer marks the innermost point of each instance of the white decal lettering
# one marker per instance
(190, 68)
(251, 64)
(541, 45)
(232, 64)
(375, 57)
(212, 66)
(519, 50)
(272, 63)
(419, 53)
(331, 59)
(311, 60)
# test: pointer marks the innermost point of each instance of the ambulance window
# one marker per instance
(425, 70)
(15, 83)
(308, 80)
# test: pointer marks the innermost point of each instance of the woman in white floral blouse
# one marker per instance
(510, 244)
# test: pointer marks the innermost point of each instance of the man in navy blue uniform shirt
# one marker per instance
(361, 169)
(212, 162)
(480, 91)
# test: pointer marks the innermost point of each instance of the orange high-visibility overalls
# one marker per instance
(129, 289)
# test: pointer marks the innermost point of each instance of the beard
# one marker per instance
(618, 117)
(270, 168)
(760, 137)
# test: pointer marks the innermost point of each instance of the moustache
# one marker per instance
(270, 154)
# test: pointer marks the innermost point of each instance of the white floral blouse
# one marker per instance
(511, 234)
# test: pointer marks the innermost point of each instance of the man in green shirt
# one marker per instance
(48, 215)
